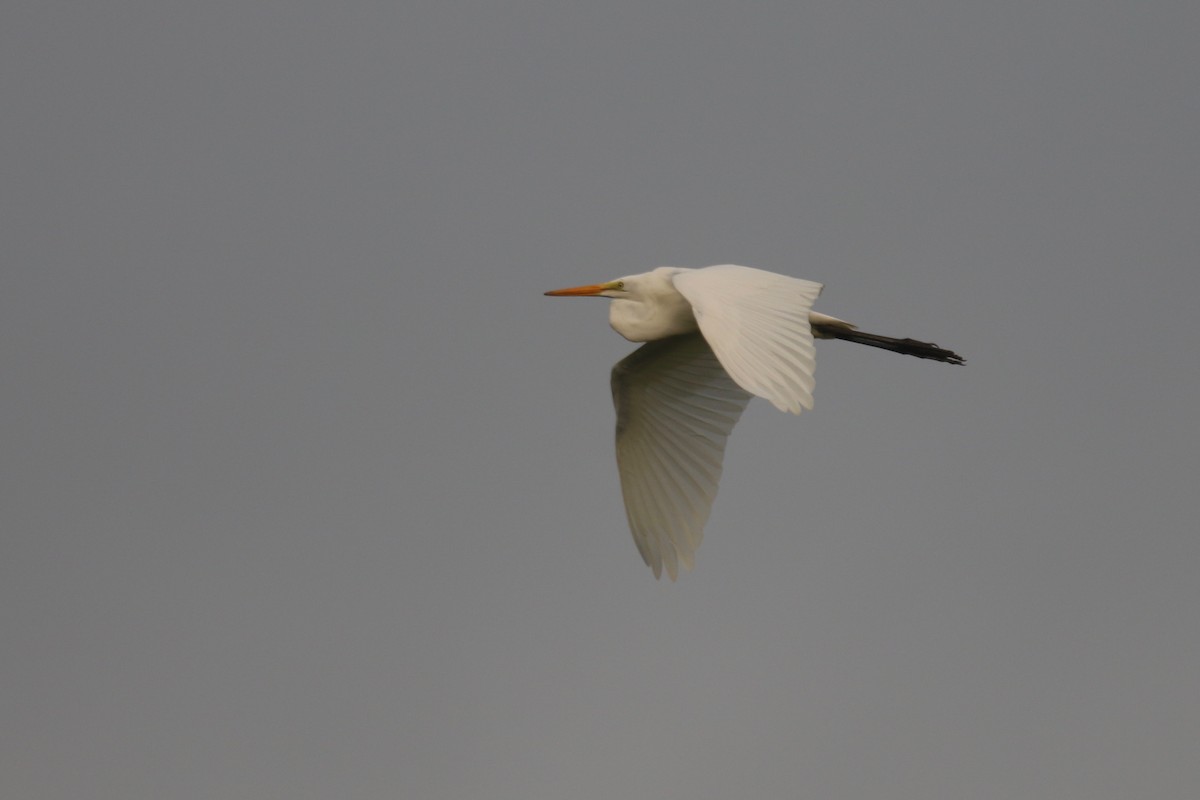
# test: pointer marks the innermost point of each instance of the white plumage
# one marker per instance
(716, 337)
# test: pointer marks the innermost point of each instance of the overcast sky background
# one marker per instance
(308, 492)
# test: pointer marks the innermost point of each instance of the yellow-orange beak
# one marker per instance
(590, 290)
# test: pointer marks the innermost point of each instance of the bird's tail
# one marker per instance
(909, 347)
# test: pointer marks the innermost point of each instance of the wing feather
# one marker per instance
(757, 325)
(676, 406)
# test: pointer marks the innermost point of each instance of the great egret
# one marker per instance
(716, 337)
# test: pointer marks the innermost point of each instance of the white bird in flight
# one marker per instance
(715, 337)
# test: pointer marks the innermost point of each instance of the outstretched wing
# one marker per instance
(757, 324)
(675, 408)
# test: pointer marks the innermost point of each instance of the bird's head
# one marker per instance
(646, 287)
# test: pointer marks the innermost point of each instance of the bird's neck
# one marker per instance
(646, 320)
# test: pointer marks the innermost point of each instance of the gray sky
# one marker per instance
(308, 492)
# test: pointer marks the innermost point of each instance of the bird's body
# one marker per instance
(716, 337)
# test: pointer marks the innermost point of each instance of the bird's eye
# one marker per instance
(620, 284)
